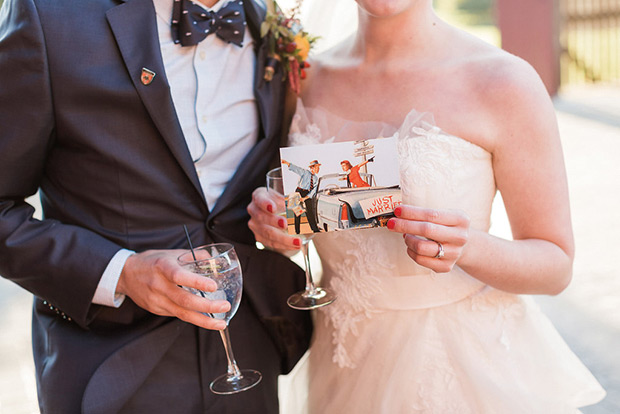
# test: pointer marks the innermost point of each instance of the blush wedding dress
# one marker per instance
(402, 339)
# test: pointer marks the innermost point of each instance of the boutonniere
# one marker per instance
(288, 44)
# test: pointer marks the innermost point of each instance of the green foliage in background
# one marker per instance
(474, 16)
(468, 12)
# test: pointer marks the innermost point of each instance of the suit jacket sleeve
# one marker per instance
(57, 262)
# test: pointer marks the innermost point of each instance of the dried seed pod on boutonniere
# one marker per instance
(288, 44)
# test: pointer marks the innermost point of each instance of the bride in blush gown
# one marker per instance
(431, 315)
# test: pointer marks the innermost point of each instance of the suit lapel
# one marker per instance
(135, 29)
(255, 16)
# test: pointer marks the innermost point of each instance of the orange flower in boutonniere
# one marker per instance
(288, 44)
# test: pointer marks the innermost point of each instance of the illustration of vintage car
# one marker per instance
(341, 208)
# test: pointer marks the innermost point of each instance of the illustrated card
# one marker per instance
(340, 186)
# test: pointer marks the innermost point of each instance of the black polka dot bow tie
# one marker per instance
(192, 23)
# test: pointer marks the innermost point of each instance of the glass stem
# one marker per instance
(233, 369)
(310, 288)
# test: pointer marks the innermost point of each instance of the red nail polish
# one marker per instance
(391, 224)
(398, 211)
(270, 208)
(282, 223)
(297, 242)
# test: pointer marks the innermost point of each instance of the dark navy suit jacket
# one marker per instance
(113, 169)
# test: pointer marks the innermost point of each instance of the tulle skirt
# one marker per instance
(492, 352)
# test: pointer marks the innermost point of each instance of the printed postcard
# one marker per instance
(340, 186)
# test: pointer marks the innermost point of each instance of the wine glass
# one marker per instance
(219, 263)
(312, 296)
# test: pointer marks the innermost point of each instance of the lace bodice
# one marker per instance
(369, 269)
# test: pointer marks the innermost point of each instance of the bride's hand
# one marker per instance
(429, 232)
(269, 228)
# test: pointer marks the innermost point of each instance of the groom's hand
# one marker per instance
(152, 279)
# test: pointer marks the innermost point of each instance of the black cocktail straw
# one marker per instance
(190, 242)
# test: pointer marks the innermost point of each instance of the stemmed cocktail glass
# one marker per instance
(219, 262)
(312, 296)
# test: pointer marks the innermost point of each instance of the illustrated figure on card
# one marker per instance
(303, 195)
(353, 173)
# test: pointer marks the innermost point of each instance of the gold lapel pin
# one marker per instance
(147, 76)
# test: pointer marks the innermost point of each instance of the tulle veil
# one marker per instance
(331, 20)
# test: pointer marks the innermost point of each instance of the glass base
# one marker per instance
(228, 384)
(306, 300)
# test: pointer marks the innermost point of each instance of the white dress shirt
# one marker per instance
(212, 89)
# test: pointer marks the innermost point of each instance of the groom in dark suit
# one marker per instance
(133, 123)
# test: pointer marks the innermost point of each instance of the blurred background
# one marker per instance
(575, 47)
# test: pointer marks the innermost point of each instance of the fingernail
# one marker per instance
(220, 326)
(297, 242)
(224, 307)
(398, 211)
(282, 223)
(391, 224)
(270, 208)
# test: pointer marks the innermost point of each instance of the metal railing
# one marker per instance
(590, 41)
